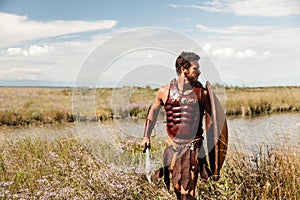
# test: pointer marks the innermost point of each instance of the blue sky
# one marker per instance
(251, 42)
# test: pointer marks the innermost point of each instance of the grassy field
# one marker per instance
(64, 168)
(50, 105)
(21, 106)
(252, 101)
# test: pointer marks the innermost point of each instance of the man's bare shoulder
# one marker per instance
(162, 94)
(164, 89)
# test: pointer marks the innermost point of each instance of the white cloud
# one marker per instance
(241, 59)
(13, 51)
(55, 60)
(21, 73)
(231, 53)
(20, 69)
(266, 8)
(33, 50)
(233, 29)
(267, 38)
(36, 50)
(209, 6)
(238, 57)
(16, 29)
(266, 53)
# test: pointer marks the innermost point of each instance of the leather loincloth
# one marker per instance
(181, 162)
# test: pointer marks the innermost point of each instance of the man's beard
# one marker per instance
(191, 78)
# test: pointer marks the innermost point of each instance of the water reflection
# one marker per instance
(247, 132)
(279, 129)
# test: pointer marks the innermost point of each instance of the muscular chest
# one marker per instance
(178, 105)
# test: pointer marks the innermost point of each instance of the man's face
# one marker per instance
(193, 72)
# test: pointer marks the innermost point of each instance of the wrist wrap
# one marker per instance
(148, 128)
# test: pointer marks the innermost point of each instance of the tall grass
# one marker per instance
(252, 101)
(64, 168)
(273, 173)
(21, 106)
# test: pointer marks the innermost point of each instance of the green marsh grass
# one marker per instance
(65, 167)
(261, 100)
(273, 173)
(22, 106)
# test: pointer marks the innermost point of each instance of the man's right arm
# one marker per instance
(152, 115)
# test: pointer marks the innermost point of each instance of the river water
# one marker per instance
(276, 129)
(243, 131)
(245, 134)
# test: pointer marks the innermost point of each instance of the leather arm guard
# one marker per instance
(149, 126)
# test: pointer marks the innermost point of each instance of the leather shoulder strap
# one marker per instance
(198, 90)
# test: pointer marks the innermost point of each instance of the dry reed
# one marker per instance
(63, 168)
(21, 106)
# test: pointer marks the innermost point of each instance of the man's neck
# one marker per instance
(183, 84)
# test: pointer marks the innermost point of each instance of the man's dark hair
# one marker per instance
(185, 59)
